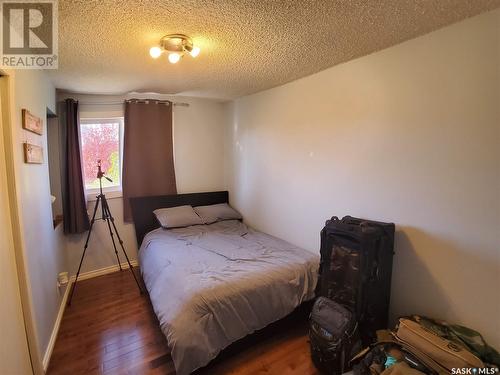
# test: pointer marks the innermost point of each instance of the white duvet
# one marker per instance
(211, 285)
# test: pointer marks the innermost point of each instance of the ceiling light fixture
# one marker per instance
(176, 46)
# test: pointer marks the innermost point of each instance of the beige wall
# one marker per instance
(409, 135)
(42, 246)
(14, 355)
(199, 166)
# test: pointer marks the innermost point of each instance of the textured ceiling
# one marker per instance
(246, 46)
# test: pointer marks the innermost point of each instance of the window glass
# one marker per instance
(101, 140)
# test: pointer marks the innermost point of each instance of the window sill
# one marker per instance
(110, 194)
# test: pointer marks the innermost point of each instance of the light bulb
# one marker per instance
(155, 52)
(195, 51)
(174, 57)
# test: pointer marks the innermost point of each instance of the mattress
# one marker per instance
(211, 285)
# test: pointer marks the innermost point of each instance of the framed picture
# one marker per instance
(33, 154)
(32, 123)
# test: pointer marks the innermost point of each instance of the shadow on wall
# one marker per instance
(412, 280)
(447, 286)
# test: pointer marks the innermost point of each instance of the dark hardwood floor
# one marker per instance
(111, 329)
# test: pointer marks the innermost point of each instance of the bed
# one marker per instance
(211, 285)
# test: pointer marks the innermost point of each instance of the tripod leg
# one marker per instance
(107, 214)
(121, 243)
(84, 249)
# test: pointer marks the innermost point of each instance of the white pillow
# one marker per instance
(177, 217)
(217, 212)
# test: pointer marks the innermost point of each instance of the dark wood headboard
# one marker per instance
(143, 207)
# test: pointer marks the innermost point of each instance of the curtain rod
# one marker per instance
(176, 104)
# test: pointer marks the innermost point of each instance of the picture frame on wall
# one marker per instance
(31, 122)
(33, 154)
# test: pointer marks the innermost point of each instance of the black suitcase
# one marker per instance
(356, 268)
(333, 336)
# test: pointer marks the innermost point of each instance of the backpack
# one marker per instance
(334, 336)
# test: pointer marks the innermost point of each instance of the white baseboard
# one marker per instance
(55, 330)
(103, 271)
(62, 307)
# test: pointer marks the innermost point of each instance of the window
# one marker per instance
(102, 139)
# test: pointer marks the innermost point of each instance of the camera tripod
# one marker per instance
(108, 217)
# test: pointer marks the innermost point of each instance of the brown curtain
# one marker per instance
(75, 216)
(148, 157)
